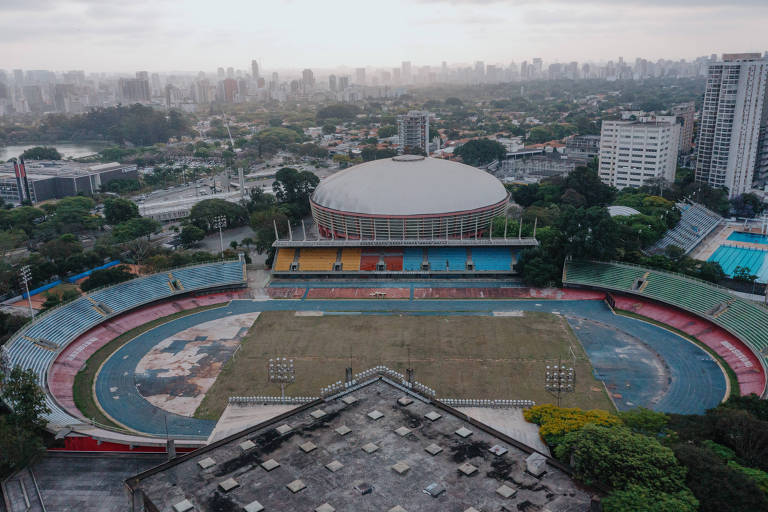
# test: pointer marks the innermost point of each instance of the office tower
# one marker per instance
(230, 72)
(254, 70)
(156, 87)
(537, 66)
(220, 73)
(734, 111)
(142, 75)
(134, 89)
(685, 113)
(360, 76)
(413, 132)
(18, 77)
(201, 91)
(480, 70)
(396, 76)
(343, 83)
(229, 89)
(632, 152)
(405, 71)
(34, 96)
(308, 78)
(294, 86)
(332, 83)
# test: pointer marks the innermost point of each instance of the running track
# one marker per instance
(695, 382)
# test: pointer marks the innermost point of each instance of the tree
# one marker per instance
(329, 129)
(589, 233)
(387, 131)
(106, 277)
(190, 235)
(203, 213)
(644, 421)
(135, 228)
(718, 487)
(641, 499)
(41, 153)
(743, 274)
(27, 401)
(481, 151)
(587, 183)
(119, 210)
(233, 244)
(617, 458)
(294, 187)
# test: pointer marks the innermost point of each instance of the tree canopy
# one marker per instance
(481, 151)
(117, 210)
(41, 153)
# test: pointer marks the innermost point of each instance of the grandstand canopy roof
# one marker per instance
(409, 185)
(622, 211)
(383, 462)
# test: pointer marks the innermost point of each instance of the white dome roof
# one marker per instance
(409, 185)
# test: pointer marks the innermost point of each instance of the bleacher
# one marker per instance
(696, 222)
(350, 258)
(447, 258)
(284, 258)
(60, 326)
(317, 259)
(492, 258)
(412, 258)
(744, 319)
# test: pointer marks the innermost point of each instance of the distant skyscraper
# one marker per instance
(413, 131)
(332, 83)
(254, 70)
(634, 152)
(405, 71)
(360, 76)
(220, 73)
(230, 72)
(308, 78)
(396, 76)
(229, 88)
(142, 75)
(134, 89)
(343, 83)
(734, 112)
(18, 76)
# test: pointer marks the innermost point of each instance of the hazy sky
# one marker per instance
(191, 35)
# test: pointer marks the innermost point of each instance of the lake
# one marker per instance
(66, 150)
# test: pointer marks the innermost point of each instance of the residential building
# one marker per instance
(332, 83)
(360, 76)
(733, 114)
(254, 69)
(134, 89)
(636, 151)
(413, 131)
(685, 113)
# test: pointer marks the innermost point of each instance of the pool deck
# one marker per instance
(720, 237)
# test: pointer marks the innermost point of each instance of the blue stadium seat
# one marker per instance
(492, 258)
(447, 258)
(412, 257)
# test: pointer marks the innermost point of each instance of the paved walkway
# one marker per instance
(694, 382)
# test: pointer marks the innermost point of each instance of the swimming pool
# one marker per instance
(753, 259)
(753, 238)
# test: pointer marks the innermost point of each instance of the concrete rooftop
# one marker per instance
(399, 470)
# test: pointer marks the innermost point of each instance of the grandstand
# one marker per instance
(746, 320)
(36, 345)
(696, 222)
(341, 258)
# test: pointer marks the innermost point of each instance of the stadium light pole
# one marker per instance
(558, 380)
(219, 222)
(26, 276)
(281, 371)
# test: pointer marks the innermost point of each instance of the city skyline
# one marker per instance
(159, 36)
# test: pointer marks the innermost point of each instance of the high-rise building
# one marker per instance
(254, 70)
(220, 73)
(230, 72)
(343, 83)
(229, 89)
(360, 76)
(134, 89)
(734, 111)
(308, 79)
(685, 112)
(142, 75)
(332, 83)
(413, 131)
(635, 151)
(405, 71)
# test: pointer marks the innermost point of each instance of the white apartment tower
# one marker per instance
(413, 131)
(733, 114)
(635, 151)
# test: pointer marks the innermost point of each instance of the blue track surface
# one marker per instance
(693, 381)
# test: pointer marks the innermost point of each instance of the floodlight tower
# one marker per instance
(219, 222)
(282, 371)
(559, 379)
(25, 274)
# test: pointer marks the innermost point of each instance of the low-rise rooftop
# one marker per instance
(420, 463)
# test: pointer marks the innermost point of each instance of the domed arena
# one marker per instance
(408, 197)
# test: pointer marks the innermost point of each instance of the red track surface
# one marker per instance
(359, 293)
(61, 376)
(506, 293)
(744, 363)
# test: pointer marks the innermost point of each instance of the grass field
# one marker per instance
(458, 356)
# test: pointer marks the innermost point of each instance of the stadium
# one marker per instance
(402, 291)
